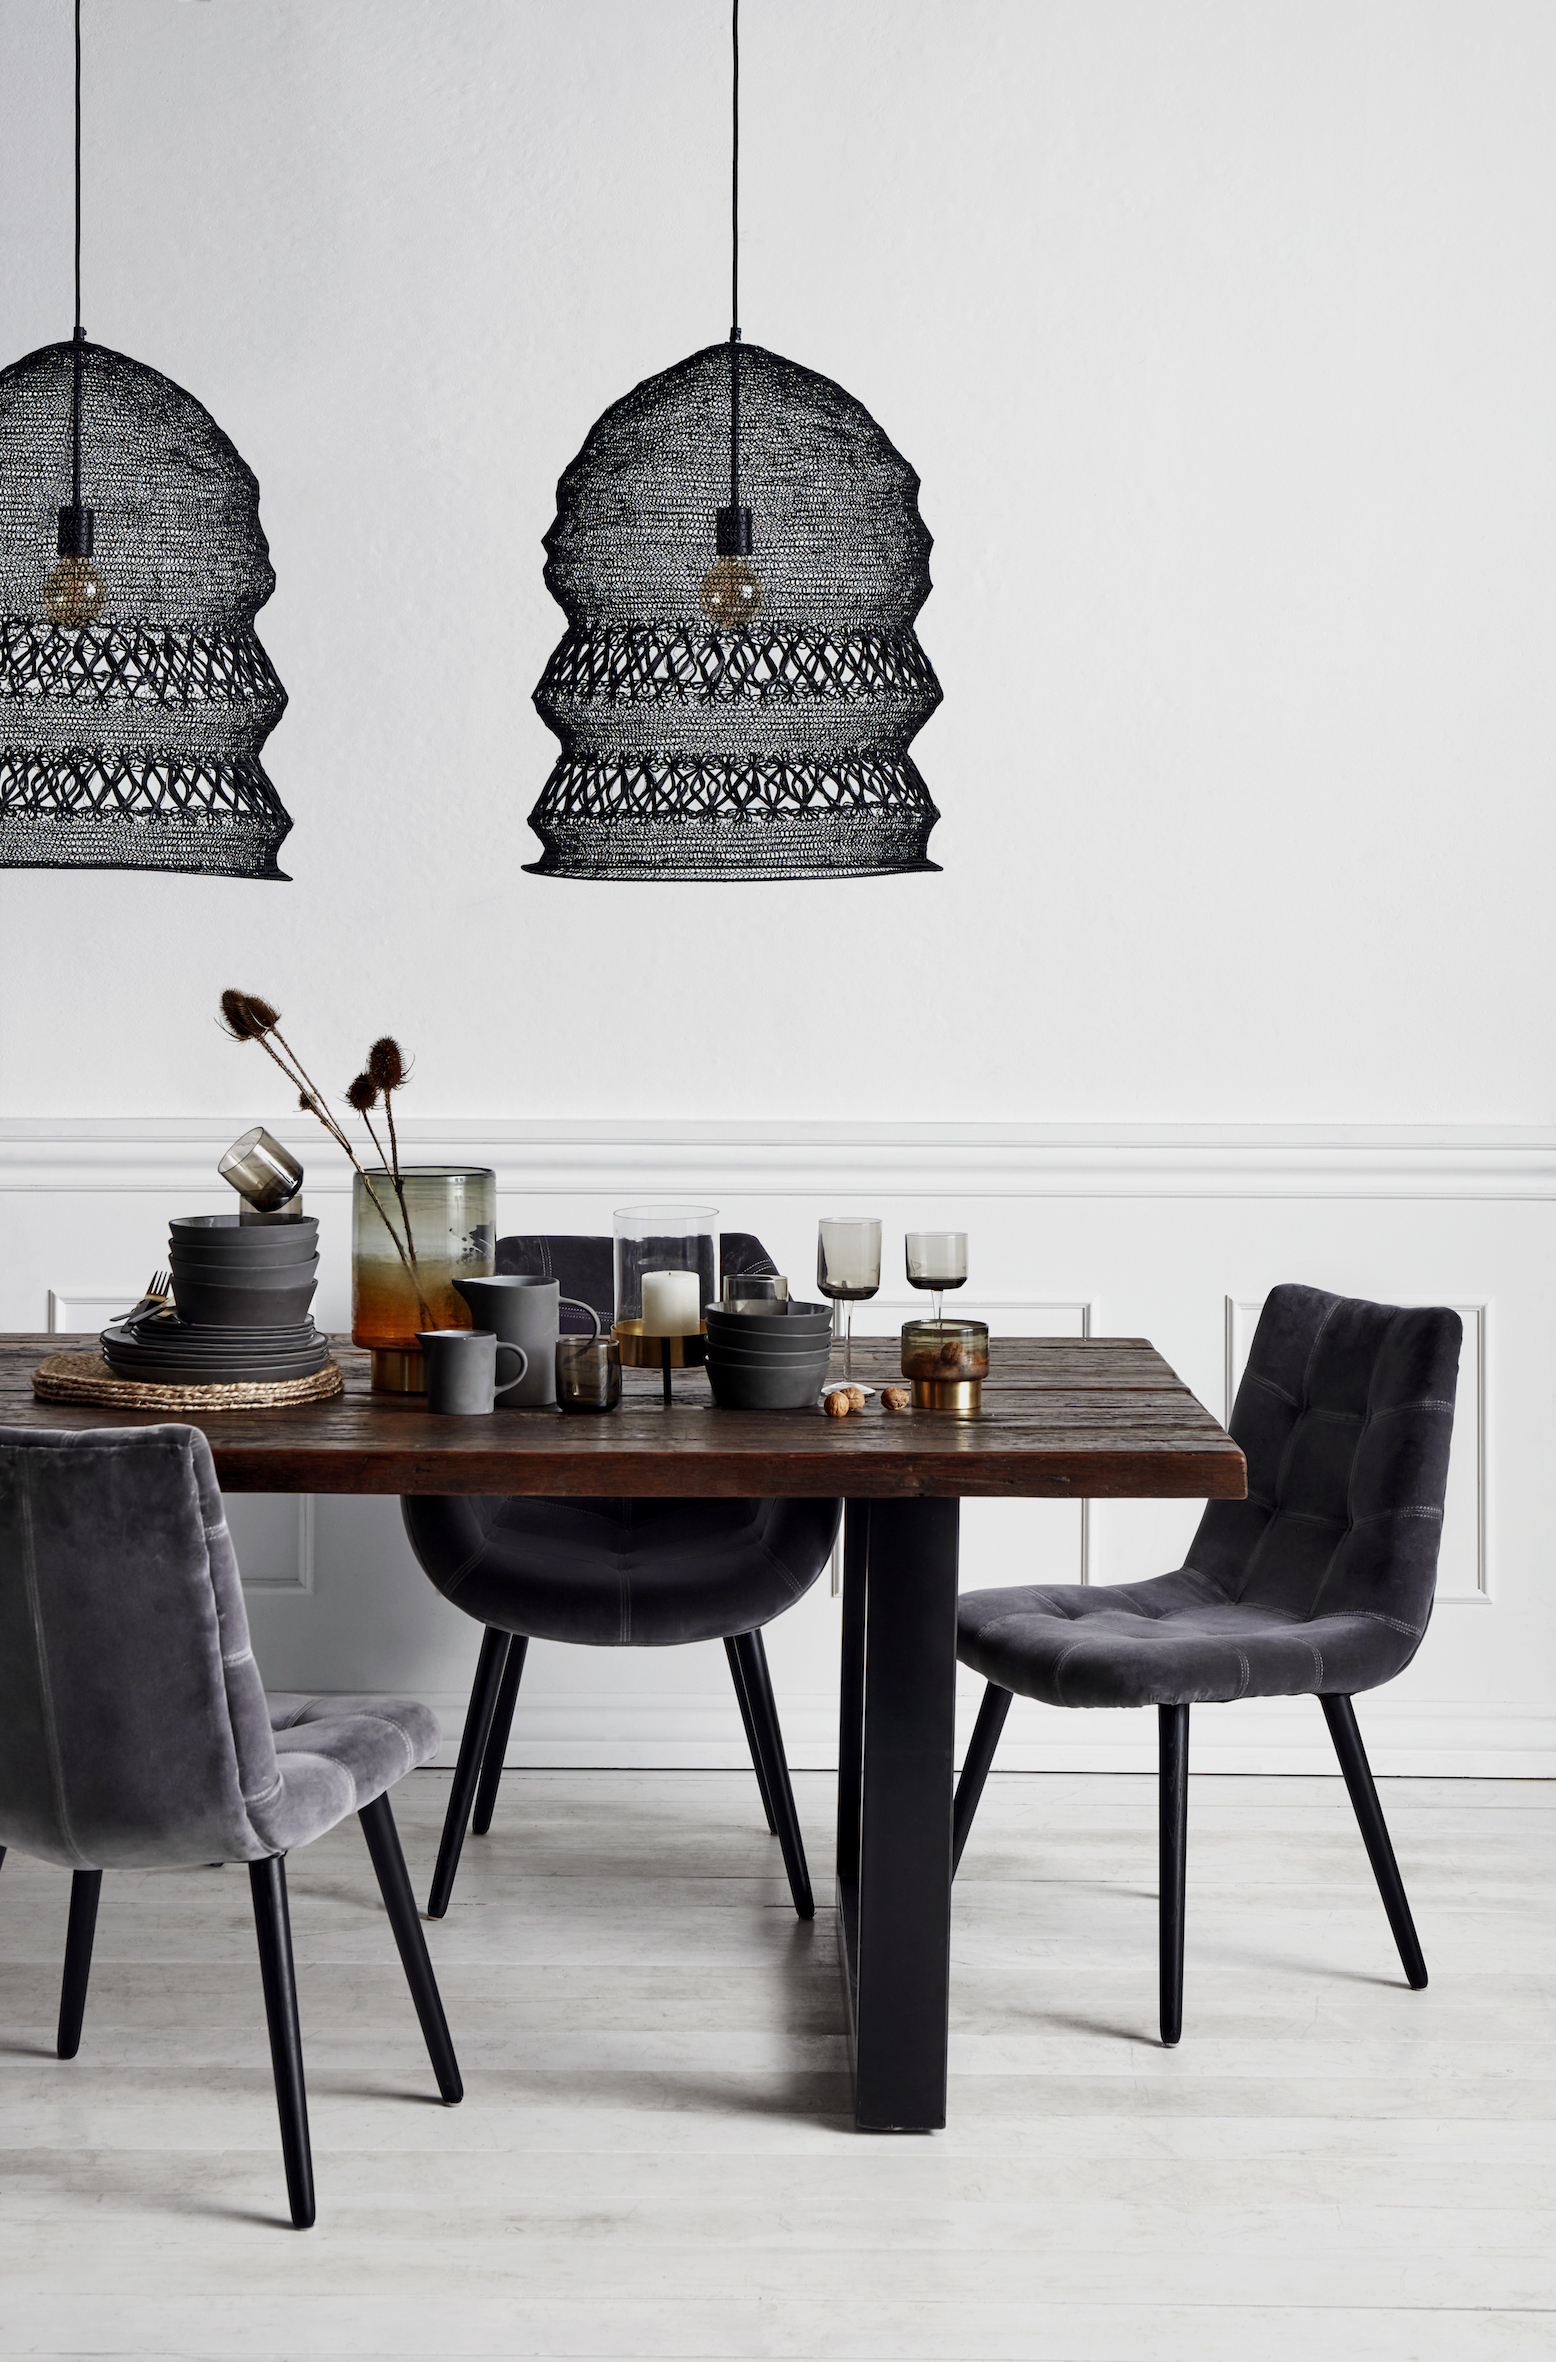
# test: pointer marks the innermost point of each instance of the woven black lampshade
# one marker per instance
(737, 699)
(134, 695)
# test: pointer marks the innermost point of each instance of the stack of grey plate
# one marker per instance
(167, 1351)
(242, 1290)
(243, 1275)
(772, 1360)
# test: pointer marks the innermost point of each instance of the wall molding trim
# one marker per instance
(685, 1731)
(549, 1159)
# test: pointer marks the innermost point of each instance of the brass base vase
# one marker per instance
(452, 1216)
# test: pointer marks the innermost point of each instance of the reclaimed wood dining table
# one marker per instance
(1062, 1419)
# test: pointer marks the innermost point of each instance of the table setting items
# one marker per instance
(666, 1257)
(266, 1176)
(588, 1373)
(240, 1317)
(526, 1313)
(946, 1360)
(464, 1376)
(848, 1270)
(771, 1359)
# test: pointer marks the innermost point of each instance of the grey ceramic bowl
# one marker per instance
(763, 1390)
(234, 1251)
(235, 1305)
(227, 1226)
(753, 1357)
(258, 1275)
(799, 1321)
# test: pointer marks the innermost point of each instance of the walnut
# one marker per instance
(856, 1398)
(838, 1405)
(895, 1398)
(951, 1354)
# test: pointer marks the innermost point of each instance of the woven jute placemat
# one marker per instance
(85, 1377)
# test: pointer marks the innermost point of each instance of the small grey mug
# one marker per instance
(462, 1370)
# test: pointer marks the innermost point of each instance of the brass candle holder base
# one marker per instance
(648, 1353)
(947, 1394)
(398, 1370)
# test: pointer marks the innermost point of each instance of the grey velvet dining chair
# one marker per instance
(135, 1733)
(1319, 1584)
(617, 1574)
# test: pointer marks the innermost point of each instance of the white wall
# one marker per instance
(1222, 339)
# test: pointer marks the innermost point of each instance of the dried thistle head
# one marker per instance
(362, 1094)
(307, 1102)
(386, 1063)
(246, 1017)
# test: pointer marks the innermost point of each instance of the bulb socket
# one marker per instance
(732, 538)
(76, 525)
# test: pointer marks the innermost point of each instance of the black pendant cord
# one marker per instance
(734, 258)
(80, 333)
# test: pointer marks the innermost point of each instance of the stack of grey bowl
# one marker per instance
(242, 1291)
(771, 1359)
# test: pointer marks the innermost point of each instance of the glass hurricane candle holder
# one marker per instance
(937, 1260)
(946, 1362)
(451, 1213)
(664, 1239)
(848, 1269)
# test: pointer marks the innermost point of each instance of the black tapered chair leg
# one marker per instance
(744, 1703)
(273, 1928)
(764, 1722)
(1340, 1715)
(85, 1888)
(472, 1749)
(975, 1768)
(383, 1843)
(497, 1740)
(1173, 1807)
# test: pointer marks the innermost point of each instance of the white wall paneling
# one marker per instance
(1124, 1233)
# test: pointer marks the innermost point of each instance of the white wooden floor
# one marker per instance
(655, 2156)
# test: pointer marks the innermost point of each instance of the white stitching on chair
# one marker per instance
(239, 1656)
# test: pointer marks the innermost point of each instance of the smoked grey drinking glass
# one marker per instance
(588, 1373)
(265, 1175)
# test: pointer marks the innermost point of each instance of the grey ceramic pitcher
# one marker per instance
(526, 1313)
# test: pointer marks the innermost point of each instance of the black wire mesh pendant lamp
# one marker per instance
(740, 557)
(134, 694)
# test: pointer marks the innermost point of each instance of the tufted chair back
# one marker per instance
(1345, 1414)
(133, 1725)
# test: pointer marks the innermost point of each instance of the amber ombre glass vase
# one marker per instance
(452, 1213)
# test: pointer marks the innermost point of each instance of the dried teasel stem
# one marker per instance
(250, 1019)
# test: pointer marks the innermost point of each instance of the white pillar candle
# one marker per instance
(672, 1303)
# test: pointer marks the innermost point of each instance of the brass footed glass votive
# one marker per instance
(946, 1362)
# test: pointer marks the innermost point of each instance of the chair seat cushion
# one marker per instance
(1174, 1640)
(621, 1573)
(333, 1756)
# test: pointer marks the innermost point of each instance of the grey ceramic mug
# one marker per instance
(526, 1312)
(462, 1370)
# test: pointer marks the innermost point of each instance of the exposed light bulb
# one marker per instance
(731, 593)
(74, 593)
(732, 588)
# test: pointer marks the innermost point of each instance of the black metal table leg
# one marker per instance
(894, 1920)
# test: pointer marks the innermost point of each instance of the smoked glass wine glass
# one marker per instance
(937, 1259)
(848, 1268)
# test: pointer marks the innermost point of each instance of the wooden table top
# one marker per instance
(1062, 1418)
